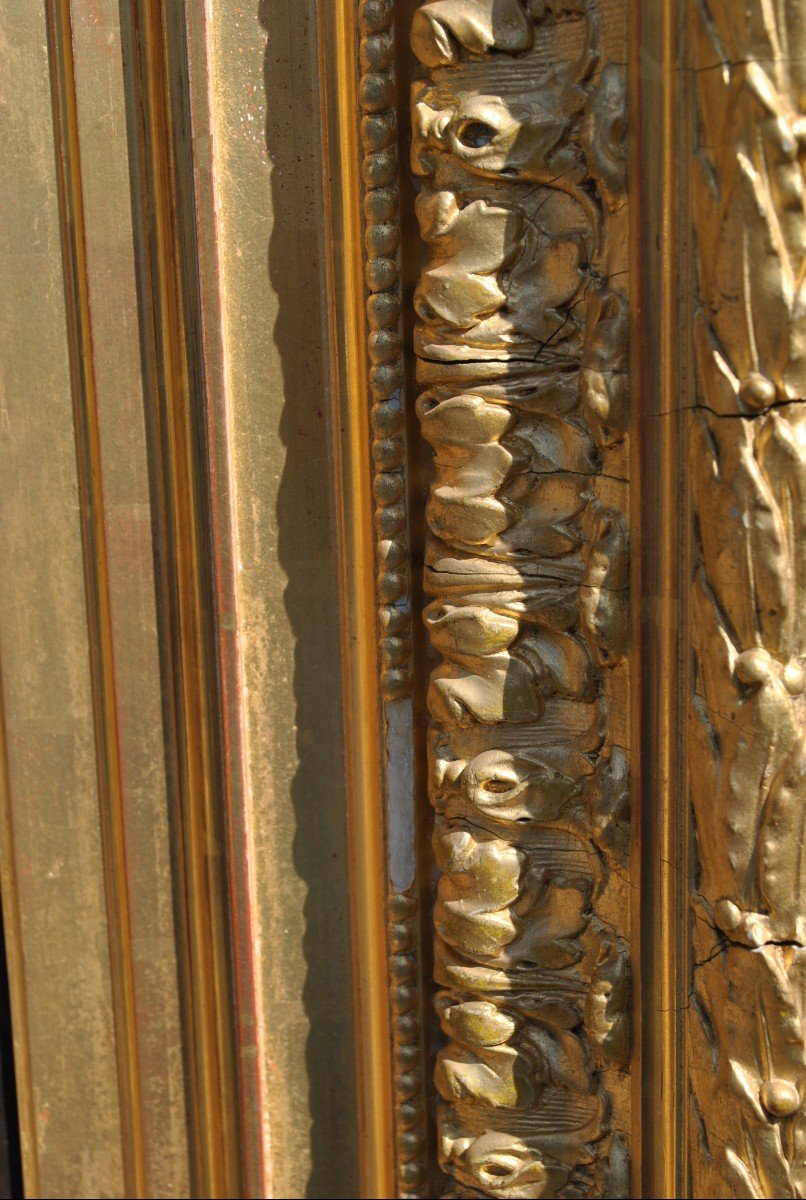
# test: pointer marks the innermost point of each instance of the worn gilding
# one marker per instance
(521, 340)
(747, 720)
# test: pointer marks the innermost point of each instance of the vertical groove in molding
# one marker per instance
(519, 139)
(247, 948)
(90, 491)
(155, 53)
(372, 672)
(659, 258)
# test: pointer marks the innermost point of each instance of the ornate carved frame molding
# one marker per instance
(521, 341)
(611, 391)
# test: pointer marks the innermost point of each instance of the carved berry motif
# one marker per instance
(747, 713)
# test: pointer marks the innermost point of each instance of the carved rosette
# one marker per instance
(521, 343)
(747, 718)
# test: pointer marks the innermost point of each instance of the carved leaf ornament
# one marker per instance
(522, 341)
(747, 722)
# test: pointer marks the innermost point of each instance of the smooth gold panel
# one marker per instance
(127, 529)
(256, 96)
(53, 853)
(659, 656)
(219, 330)
(95, 260)
(171, 638)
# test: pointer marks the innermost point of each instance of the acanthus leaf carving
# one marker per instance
(522, 348)
(747, 716)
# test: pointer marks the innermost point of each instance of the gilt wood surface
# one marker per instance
(747, 721)
(401, 434)
(521, 339)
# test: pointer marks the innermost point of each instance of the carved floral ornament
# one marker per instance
(747, 717)
(519, 149)
(521, 345)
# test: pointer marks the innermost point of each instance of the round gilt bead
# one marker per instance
(388, 453)
(395, 684)
(386, 419)
(381, 206)
(407, 1057)
(375, 15)
(794, 679)
(407, 1024)
(780, 1097)
(400, 938)
(384, 345)
(381, 274)
(390, 552)
(388, 488)
(378, 131)
(392, 684)
(383, 310)
(393, 620)
(410, 1143)
(377, 92)
(401, 905)
(382, 240)
(377, 52)
(753, 667)
(402, 969)
(727, 915)
(392, 585)
(394, 652)
(757, 391)
(412, 1112)
(390, 521)
(379, 168)
(386, 380)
